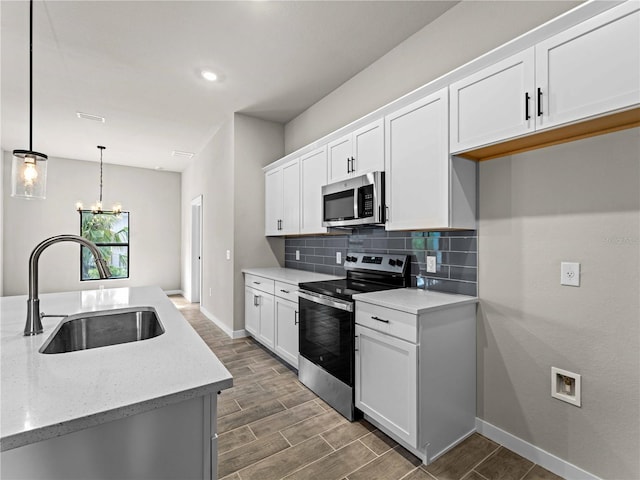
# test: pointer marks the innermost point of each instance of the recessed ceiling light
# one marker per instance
(88, 116)
(178, 153)
(209, 75)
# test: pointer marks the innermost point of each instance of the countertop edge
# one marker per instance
(415, 311)
(51, 431)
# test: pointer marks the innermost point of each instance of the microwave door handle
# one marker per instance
(356, 201)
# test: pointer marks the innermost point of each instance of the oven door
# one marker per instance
(327, 334)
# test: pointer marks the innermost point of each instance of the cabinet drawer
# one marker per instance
(386, 320)
(265, 285)
(286, 291)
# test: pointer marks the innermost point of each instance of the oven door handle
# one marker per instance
(325, 300)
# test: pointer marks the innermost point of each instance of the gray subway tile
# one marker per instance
(464, 244)
(469, 274)
(462, 259)
(314, 242)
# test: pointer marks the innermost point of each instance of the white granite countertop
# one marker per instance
(413, 300)
(289, 275)
(48, 395)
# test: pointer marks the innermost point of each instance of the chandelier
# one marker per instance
(96, 208)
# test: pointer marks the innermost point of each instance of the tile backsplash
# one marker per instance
(456, 253)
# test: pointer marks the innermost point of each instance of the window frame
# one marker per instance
(108, 244)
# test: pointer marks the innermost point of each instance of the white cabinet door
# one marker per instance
(266, 332)
(251, 311)
(417, 165)
(313, 175)
(368, 148)
(493, 104)
(590, 69)
(340, 152)
(386, 382)
(290, 199)
(358, 153)
(273, 202)
(286, 341)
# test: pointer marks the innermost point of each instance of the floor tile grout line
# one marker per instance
(527, 472)
(367, 447)
(325, 456)
(476, 472)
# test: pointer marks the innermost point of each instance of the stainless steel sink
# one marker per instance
(104, 328)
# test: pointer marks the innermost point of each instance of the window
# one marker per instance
(110, 232)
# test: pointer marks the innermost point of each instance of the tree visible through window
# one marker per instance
(110, 232)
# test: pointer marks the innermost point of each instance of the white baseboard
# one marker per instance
(173, 292)
(225, 328)
(531, 452)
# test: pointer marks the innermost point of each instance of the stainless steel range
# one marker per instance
(327, 324)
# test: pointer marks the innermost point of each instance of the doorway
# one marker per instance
(196, 249)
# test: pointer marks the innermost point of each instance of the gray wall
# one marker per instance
(228, 174)
(576, 202)
(151, 197)
(256, 143)
(463, 33)
(211, 175)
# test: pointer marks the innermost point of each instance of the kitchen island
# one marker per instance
(143, 409)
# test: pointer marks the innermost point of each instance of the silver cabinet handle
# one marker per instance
(295, 318)
(284, 291)
(256, 300)
(257, 283)
(357, 344)
(380, 319)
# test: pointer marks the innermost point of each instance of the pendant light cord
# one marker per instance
(101, 150)
(31, 76)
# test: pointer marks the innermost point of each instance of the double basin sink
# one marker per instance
(100, 329)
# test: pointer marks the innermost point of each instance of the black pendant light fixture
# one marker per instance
(96, 208)
(29, 168)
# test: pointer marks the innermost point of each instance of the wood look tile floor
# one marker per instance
(272, 427)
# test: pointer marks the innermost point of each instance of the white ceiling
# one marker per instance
(137, 64)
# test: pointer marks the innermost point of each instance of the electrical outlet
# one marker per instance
(210, 291)
(570, 274)
(297, 254)
(566, 386)
(338, 257)
(431, 264)
(228, 254)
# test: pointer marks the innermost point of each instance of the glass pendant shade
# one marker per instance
(29, 175)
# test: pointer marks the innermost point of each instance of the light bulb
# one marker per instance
(29, 173)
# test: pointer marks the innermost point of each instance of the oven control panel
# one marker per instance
(376, 262)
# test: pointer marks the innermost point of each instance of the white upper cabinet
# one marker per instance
(359, 152)
(586, 71)
(494, 103)
(313, 175)
(282, 199)
(590, 69)
(425, 188)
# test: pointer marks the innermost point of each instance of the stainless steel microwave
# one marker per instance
(354, 201)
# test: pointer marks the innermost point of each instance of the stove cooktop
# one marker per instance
(343, 288)
(365, 273)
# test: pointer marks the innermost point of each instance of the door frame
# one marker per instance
(196, 244)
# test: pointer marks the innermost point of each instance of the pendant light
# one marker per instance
(97, 207)
(29, 168)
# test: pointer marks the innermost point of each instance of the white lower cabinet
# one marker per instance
(415, 375)
(286, 344)
(271, 315)
(258, 309)
(386, 380)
